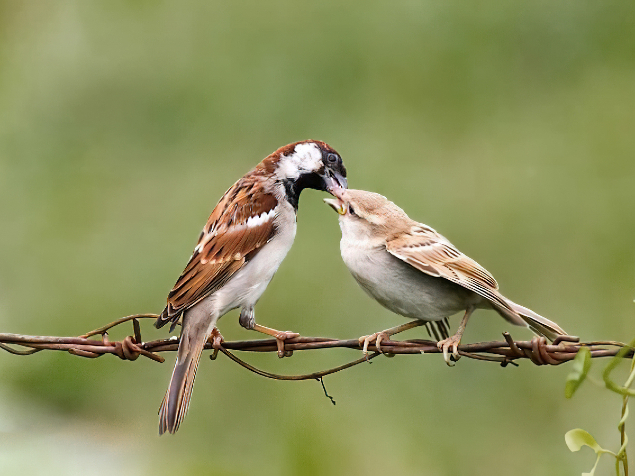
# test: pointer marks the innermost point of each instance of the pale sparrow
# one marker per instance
(414, 271)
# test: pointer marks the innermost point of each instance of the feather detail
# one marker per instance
(177, 398)
(538, 324)
(431, 253)
(241, 223)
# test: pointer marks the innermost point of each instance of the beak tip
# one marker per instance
(335, 204)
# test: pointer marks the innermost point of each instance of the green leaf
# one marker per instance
(580, 369)
(576, 439)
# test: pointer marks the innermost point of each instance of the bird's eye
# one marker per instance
(351, 211)
(331, 158)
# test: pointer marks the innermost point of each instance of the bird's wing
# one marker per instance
(241, 223)
(431, 253)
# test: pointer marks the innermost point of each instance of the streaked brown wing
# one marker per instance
(241, 223)
(429, 252)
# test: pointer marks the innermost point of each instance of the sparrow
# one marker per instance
(245, 239)
(414, 271)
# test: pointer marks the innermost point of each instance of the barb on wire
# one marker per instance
(538, 350)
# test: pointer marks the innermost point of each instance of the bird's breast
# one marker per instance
(250, 282)
(401, 288)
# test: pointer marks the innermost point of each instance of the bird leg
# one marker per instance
(377, 337)
(248, 321)
(281, 337)
(455, 340)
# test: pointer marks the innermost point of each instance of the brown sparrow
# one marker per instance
(414, 271)
(244, 241)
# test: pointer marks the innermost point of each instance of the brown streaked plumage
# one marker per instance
(223, 248)
(245, 239)
(429, 252)
(414, 271)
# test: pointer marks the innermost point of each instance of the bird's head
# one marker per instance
(309, 164)
(367, 214)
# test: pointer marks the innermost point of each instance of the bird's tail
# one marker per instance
(177, 398)
(168, 315)
(538, 324)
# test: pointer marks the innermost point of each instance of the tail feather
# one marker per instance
(538, 324)
(177, 398)
(168, 315)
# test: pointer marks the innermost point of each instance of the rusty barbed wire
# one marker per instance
(538, 350)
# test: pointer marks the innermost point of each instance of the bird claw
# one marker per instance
(216, 339)
(375, 338)
(281, 338)
(445, 345)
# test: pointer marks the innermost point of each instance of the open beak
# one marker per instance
(335, 181)
(336, 204)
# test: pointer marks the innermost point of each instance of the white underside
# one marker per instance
(249, 283)
(401, 288)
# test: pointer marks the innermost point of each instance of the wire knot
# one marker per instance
(127, 349)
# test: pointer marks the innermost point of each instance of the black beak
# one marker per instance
(333, 180)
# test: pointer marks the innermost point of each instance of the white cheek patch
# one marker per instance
(309, 154)
(287, 168)
(306, 157)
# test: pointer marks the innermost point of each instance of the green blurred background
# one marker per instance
(506, 125)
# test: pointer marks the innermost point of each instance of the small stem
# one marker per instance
(623, 455)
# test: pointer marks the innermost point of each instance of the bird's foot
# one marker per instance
(375, 338)
(445, 344)
(216, 339)
(281, 338)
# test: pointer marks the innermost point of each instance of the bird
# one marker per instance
(414, 271)
(244, 241)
